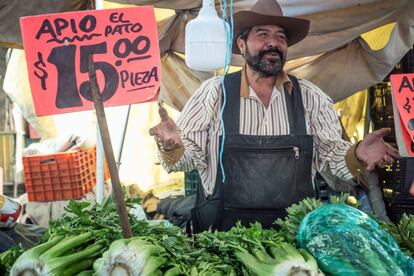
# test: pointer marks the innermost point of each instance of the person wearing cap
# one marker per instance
(279, 131)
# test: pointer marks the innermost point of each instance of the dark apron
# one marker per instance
(263, 174)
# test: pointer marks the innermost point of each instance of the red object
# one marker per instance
(8, 220)
(124, 47)
(60, 176)
(412, 188)
(9, 212)
(403, 89)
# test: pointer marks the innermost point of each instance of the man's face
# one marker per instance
(265, 49)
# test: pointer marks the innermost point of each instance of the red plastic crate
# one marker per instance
(60, 176)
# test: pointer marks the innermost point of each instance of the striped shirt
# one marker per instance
(200, 128)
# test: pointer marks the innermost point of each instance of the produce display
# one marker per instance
(314, 238)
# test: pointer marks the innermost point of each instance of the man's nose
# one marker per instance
(273, 43)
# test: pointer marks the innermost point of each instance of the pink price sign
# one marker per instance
(122, 42)
(403, 89)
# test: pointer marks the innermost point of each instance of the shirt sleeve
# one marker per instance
(193, 126)
(325, 127)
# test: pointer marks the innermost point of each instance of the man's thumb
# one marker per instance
(163, 113)
(383, 132)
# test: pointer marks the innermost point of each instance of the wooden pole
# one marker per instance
(109, 153)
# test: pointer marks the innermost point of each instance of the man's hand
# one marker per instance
(165, 133)
(373, 151)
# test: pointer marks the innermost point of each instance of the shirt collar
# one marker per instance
(281, 81)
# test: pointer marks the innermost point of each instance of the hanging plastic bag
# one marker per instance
(346, 241)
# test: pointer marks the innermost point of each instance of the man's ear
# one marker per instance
(241, 44)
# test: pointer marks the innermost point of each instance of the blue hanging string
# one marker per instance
(229, 36)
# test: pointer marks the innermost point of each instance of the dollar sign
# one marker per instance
(42, 75)
(407, 105)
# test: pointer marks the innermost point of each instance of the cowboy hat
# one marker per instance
(268, 12)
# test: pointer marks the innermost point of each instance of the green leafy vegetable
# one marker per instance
(406, 230)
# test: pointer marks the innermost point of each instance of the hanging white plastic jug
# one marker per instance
(206, 40)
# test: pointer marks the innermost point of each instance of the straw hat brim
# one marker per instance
(296, 29)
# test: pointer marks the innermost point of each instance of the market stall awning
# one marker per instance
(334, 55)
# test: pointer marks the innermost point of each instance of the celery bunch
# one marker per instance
(284, 260)
(58, 256)
(130, 257)
(252, 251)
(103, 219)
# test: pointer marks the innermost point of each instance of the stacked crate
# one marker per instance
(60, 176)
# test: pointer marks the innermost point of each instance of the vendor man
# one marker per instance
(278, 131)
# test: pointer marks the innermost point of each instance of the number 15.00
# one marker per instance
(63, 57)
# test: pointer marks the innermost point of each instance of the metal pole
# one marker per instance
(100, 181)
(121, 146)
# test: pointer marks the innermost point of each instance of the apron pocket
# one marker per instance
(259, 180)
(304, 185)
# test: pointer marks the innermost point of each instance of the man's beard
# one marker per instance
(265, 67)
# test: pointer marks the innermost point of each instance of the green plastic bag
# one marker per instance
(346, 241)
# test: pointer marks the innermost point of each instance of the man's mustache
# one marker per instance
(270, 51)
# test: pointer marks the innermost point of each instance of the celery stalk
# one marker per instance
(79, 267)
(66, 244)
(287, 261)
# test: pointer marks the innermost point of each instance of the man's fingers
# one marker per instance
(388, 159)
(170, 143)
(152, 131)
(381, 165)
(155, 131)
(393, 152)
(371, 166)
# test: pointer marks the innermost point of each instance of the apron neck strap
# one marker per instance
(295, 108)
(231, 114)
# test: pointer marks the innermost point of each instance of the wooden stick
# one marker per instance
(109, 154)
